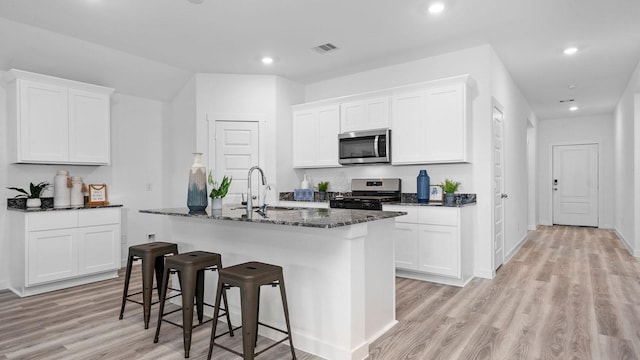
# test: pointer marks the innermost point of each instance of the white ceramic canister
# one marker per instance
(61, 190)
(77, 196)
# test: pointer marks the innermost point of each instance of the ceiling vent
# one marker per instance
(567, 100)
(325, 48)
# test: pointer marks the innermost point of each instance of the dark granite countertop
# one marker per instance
(86, 207)
(433, 204)
(289, 216)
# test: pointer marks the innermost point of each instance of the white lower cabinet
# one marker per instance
(52, 250)
(434, 243)
(51, 255)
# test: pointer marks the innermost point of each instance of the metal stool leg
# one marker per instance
(188, 294)
(148, 266)
(200, 295)
(127, 277)
(159, 266)
(249, 305)
(220, 291)
(163, 295)
(285, 307)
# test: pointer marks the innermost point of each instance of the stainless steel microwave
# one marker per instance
(365, 147)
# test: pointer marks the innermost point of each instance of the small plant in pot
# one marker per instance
(33, 196)
(218, 192)
(450, 187)
(322, 189)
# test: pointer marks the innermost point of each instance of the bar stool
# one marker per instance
(249, 277)
(190, 268)
(152, 256)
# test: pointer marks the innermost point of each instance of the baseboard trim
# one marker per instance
(4, 285)
(515, 249)
(626, 244)
(532, 227)
(485, 274)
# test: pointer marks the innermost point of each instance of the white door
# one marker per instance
(575, 185)
(498, 188)
(236, 151)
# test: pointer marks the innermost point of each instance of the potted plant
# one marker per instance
(33, 197)
(218, 192)
(450, 187)
(322, 189)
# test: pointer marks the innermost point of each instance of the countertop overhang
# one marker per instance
(306, 217)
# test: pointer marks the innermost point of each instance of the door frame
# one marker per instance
(236, 117)
(496, 105)
(549, 180)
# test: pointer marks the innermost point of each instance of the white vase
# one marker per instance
(34, 203)
(216, 203)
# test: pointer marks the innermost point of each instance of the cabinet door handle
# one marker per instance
(504, 196)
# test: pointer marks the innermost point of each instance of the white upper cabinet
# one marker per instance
(89, 127)
(42, 133)
(315, 137)
(365, 114)
(58, 121)
(430, 123)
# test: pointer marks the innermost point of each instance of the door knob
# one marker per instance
(555, 189)
(504, 196)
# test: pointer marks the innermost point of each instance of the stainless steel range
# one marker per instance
(369, 194)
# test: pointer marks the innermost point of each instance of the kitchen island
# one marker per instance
(338, 268)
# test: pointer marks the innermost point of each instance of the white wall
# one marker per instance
(475, 177)
(626, 157)
(287, 93)
(265, 98)
(517, 116)
(577, 130)
(532, 174)
(136, 126)
(179, 142)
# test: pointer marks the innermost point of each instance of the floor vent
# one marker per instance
(325, 48)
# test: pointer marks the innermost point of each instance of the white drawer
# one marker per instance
(50, 220)
(412, 213)
(94, 217)
(438, 215)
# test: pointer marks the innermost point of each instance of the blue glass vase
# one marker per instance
(197, 194)
(423, 187)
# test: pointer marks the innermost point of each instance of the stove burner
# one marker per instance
(369, 194)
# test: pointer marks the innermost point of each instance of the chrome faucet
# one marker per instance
(249, 195)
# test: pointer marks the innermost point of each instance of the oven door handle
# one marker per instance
(375, 146)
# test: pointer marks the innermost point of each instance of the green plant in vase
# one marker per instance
(33, 196)
(218, 191)
(322, 189)
(450, 187)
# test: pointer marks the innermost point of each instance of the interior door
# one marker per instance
(498, 188)
(236, 151)
(575, 185)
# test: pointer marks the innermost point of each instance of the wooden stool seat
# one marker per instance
(190, 268)
(152, 256)
(249, 277)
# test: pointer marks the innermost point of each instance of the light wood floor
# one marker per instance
(569, 293)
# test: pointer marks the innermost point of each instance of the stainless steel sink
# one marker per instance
(269, 208)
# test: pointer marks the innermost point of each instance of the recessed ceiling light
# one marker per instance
(436, 8)
(267, 60)
(570, 50)
(573, 108)
(196, 1)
